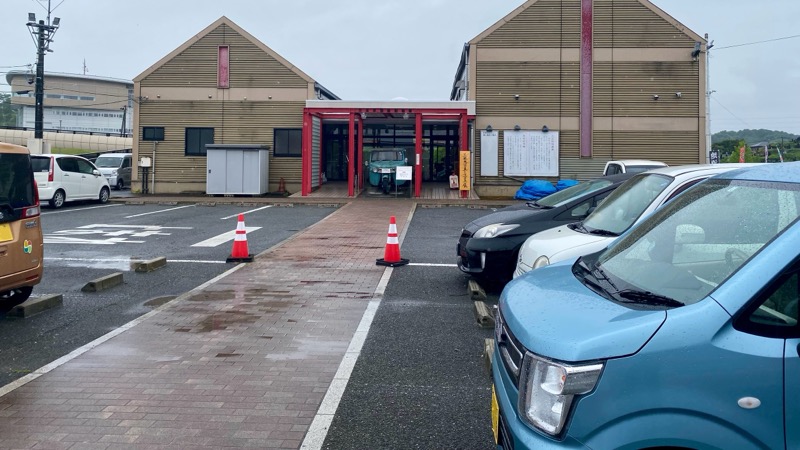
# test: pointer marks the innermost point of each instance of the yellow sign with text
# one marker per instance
(464, 170)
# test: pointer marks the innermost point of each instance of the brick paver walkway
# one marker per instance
(243, 363)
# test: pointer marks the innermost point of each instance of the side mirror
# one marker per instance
(96, 172)
(689, 234)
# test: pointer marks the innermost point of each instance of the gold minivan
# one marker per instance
(21, 243)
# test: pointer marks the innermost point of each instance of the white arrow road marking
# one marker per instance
(248, 212)
(223, 238)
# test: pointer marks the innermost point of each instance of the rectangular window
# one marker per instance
(223, 67)
(196, 140)
(288, 142)
(152, 133)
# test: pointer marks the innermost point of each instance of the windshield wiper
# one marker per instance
(577, 226)
(600, 232)
(648, 298)
(601, 275)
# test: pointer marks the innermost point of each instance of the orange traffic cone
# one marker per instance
(240, 252)
(391, 255)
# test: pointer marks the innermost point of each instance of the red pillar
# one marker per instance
(464, 145)
(305, 179)
(321, 151)
(418, 157)
(360, 167)
(351, 136)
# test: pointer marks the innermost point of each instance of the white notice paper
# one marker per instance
(489, 153)
(530, 153)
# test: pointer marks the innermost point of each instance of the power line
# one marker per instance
(731, 113)
(759, 42)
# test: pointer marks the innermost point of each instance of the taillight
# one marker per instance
(52, 168)
(34, 210)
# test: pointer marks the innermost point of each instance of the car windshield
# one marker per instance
(557, 199)
(624, 206)
(386, 155)
(108, 161)
(16, 181)
(694, 243)
(639, 169)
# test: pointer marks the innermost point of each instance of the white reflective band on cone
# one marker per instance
(393, 240)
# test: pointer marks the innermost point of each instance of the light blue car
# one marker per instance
(682, 334)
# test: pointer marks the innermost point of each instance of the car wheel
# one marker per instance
(14, 297)
(104, 194)
(58, 199)
(120, 184)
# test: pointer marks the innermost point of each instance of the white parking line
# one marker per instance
(223, 238)
(248, 212)
(79, 209)
(123, 260)
(159, 211)
(432, 265)
(318, 430)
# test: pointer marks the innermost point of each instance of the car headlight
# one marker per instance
(541, 262)
(375, 170)
(494, 230)
(114, 172)
(547, 389)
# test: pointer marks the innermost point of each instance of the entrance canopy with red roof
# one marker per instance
(360, 114)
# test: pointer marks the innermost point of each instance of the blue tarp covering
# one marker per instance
(534, 190)
(563, 184)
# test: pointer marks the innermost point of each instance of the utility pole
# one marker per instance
(708, 95)
(42, 34)
(124, 113)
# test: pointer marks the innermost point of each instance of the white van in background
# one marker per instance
(116, 167)
(64, 178)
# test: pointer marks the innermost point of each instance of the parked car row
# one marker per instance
(679, 330)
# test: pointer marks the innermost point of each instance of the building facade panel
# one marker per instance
(250, 66)
(546, 23)
(629, 23)
(543, 88)
(241, 122)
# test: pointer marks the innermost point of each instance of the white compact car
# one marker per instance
(627, 205)
(65, 178)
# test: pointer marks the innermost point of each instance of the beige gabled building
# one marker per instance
(223, 86)
(627, 84)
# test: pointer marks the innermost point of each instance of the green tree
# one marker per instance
(8, 116)
(748, 154)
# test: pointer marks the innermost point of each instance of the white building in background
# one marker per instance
(74, 103)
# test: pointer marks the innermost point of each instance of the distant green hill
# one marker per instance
(753, 136)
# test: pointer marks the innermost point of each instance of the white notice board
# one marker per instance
(488, 153)
(530, 153)
(403, 172)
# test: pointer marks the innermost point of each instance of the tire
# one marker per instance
(58, 199)
(120, 184)
(385, 185)
(104, 195)
(14, 297)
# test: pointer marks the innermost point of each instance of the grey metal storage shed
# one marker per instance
(237, 169)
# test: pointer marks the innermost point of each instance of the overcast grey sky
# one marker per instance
(383, 49)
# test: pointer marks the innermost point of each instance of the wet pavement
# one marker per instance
(243, 361)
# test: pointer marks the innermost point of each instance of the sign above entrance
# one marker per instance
(403, 172)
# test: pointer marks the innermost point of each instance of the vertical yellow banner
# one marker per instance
(464, 170)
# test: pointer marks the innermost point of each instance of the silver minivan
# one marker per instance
(116, 167)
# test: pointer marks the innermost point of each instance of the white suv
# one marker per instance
(627, 205)
(64, 178)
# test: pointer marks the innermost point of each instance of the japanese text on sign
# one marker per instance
(530, 153)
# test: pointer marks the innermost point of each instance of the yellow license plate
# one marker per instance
(495, 416)
(5, 232)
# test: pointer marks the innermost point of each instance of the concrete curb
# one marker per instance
(476, 292)
(36, 305)
(488, 354)
(149, 265)
(483, 315)
(103, 283)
